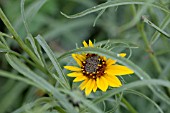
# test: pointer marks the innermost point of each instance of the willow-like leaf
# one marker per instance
(61, 27)
(147, 98)
(5, 35)
(164, 23)
(23, 69)
(113, 4)
(28, 106)
(29, 35)
(53, 60)
(88, 103)
(30, 12)
(155, 27)
(18, 77)
(3, 46)
(11, 97)
(135, 84)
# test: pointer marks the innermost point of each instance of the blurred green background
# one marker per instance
(62, 34)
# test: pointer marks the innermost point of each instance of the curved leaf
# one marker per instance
(115, 3)
(23, 69)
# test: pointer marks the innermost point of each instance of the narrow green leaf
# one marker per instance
(29, 35)
(3, 46)
(115, 3)
(166, 72)
(135, 84)
(129, 106)
(155, 27)
(28, 106)
(35, 48)
(18, 77)
(164, 23)
(5, 35)
(5, 88)
(62, 27)
(4, 42)
(137, 16)
(30, 12)
(98, 16)
(86, 102)
(11, 97)
(23, 69)
(53, 59)
(147, 98)
(18, 39)
(23, 16)
(21, 56)
(4, 50)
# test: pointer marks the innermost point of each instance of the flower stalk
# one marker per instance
(147, 44)
(19, 41)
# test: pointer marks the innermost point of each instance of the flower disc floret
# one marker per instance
(93, 66)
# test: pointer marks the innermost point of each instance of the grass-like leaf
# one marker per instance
(62, 27)
(155, 27)
(164, 24)
(53, 60)
(18, 77)
(113, 4)
(12, 96)
(29, 36)
(23, 69)
(132, 85)
(30, 12)
(147, 98)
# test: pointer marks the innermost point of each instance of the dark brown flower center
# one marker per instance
(93, 66)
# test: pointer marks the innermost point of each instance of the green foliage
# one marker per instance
(39, 36)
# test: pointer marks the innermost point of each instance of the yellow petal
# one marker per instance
(95, 87)
(81, 57)
(113, 81)
(83, 84)
(80, 78)
(85, 44)
(75, 74)
(77, 60)
(90, 43)
(72, 68)
(118, 70)
(104, 58)
(89, 86)
(110, 62)
(122, 54)
(102, 83)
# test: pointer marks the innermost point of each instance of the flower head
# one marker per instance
(96, 71)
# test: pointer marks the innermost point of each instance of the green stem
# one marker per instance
(128, 105)
(18, 39)
(149, 49)
(156, 27)
(6, 35)
(4, 42)
(136, 17)
(147, 44)
(24, 47)
(28, 61)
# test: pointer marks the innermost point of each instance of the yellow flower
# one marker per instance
(96, 71)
